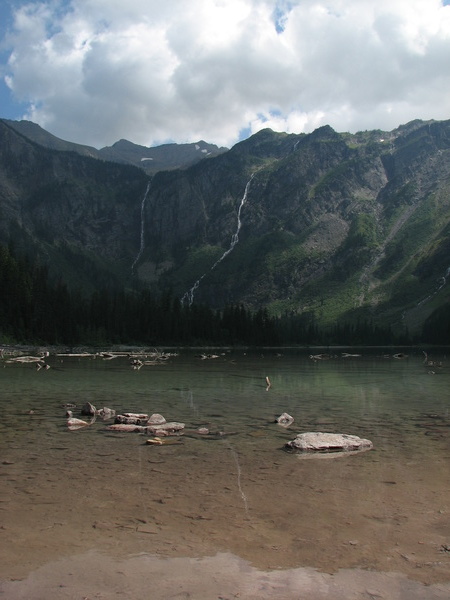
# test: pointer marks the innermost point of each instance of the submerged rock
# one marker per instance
(164, 429)
(285, 420)
(125, 427)
(88, 409)
(315, 441)
(106, 413)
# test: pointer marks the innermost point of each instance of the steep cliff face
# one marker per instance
(339, 225)
(78, 215)
(332, 223)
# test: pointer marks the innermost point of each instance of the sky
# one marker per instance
(158, 71)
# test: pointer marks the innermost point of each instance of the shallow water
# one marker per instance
(236, 491)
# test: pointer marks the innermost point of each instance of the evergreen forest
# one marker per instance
(37, 310)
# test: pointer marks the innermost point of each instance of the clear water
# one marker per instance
(66, 491)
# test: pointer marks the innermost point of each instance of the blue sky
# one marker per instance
(95, 71)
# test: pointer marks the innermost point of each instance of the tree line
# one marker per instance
(35, 309)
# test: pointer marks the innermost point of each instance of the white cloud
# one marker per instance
(95, 71)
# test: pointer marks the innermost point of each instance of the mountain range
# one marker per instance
(338, 226)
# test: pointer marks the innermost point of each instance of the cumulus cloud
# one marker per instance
(95, 71)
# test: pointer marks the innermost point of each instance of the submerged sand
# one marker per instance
(198, 519)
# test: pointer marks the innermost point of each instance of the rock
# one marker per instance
(285, 420)
(88, 409)
(203, 430)
(156, 419)
(136, 415)
(106, 413)
(73, 423)
(166, 429)
(155, 442)
(328, 442)
(130, 419)
(127, 428)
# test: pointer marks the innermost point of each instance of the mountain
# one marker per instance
(337, 227)
(151, 160)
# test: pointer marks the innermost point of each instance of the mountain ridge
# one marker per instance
(150, 159)
(333, 226)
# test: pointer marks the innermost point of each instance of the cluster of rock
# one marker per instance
(318, 442)
(155, 425)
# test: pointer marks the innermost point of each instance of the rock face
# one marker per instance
(328, 442)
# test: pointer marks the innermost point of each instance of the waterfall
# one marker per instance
(189, 296)
(142, 244)
(439, 285)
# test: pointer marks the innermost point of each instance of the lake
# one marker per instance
(95, 513)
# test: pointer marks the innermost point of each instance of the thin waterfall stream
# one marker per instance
(142, 239)
(189, 295)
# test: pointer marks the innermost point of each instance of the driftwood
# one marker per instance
(323, 356)
(37, 360)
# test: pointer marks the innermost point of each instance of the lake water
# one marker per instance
(94, 513)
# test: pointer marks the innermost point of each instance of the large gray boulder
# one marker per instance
(315, 441)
